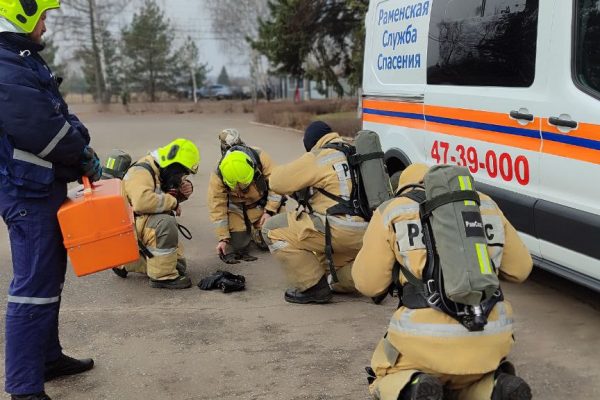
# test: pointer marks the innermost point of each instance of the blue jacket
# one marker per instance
(40, 142)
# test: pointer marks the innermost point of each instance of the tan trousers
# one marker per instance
(299, 245)
(159, 233)
(392, 377)
(240, 239)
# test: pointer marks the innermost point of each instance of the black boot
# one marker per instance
(510, 387)
(181, 282)
(120, 272)
(35, 396)
(181, 266)
(66, 365)
(423, 387)
(320, 293)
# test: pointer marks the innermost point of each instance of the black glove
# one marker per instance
(90, 164)
(230, 258)
(245, 257)
(232, 285)
(226, 281)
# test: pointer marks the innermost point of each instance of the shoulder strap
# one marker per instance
(147, 167)
(256, 157)
(418, 196)
(467, 195)
(345, 148)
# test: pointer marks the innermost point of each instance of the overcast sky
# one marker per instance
(188, 17)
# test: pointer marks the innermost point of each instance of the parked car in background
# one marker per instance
(220, 92)
(240, 93)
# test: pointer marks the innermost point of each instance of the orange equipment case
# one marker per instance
(98, 227)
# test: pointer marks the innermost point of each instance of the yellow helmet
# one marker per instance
(180, 151)
(25, 14)
(237, 168)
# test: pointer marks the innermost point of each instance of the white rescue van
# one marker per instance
(508, 88)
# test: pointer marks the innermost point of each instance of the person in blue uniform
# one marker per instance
(42, 148)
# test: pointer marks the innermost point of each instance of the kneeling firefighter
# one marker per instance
(156, 186)
(325, 233)
(442, 246)
(239, 198)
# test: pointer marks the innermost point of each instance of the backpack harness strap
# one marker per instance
(344, 207)
(428, 206)
(143, 249)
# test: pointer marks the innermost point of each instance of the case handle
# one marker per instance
(88, 188)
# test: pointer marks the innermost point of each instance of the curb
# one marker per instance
(275, 127)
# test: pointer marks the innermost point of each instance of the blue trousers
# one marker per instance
(39, 265)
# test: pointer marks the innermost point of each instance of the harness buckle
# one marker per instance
(434, 299)
(430, 286)
(433, 296)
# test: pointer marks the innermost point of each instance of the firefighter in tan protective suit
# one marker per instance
(155, 186)
(239, 199)
(426, 352)
(297, 239)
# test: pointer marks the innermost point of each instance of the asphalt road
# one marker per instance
(155, 344)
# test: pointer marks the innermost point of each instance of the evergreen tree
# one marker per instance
(224, 77)
(147, 50)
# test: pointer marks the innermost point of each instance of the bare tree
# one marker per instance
(191, 58)
(236, 22)
(84, 22)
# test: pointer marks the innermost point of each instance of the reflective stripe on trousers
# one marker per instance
(406, 326)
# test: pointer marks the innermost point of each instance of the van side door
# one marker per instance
(568, 214)
(484, 97)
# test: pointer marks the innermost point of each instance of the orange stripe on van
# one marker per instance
(499, 128)
(572, 152)
(486, 117)
(414, 108)
(408, 123)
(485, 136)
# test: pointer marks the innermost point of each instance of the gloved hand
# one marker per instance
(184, 191)
(178, 195)
(230, 258)
(90, 164)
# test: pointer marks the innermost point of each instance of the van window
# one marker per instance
(587, 45)
(482, 42)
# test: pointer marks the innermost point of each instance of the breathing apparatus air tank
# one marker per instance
(374, 178)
